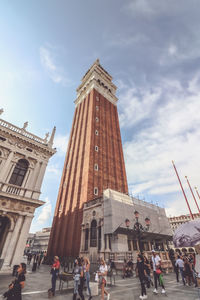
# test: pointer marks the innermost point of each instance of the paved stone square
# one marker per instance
(38, 283)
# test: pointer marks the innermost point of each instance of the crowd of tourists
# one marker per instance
(143, 271)
(81, 272)
(186, 268)
(36, 258)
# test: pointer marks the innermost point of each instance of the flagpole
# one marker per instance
(192, 217)
(192, 194)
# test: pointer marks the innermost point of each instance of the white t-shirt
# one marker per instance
(180, 263)
(103, 269)
(156, 261)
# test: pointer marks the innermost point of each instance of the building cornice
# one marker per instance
(30, 201)
(28, 140)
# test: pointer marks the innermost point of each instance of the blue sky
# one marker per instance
(150, 47)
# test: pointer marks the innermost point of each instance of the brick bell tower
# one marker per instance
(94, 159)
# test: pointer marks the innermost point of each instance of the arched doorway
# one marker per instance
(4, 227)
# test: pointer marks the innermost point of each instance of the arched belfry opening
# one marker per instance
(4, 228)
(19, 172)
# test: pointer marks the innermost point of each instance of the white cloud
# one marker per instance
(55, 72)
(172, 50)
(179, 207)
(45, 214)
(54, 169)
(139, 103)
(121, 40)
(61, 142)
(165, 126)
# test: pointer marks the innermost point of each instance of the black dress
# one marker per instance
(16, 292)
(141, 275)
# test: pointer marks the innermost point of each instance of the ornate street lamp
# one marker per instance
(138, 228)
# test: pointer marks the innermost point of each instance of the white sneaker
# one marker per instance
(108, 296)
(145, 297)
(163, 291)
(155, 291)
(141, 297)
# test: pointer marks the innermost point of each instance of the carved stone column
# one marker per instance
(40, 176)
(21, 242)
(7, 243)
(82, 248)
(32, 179)
(6, 167)
(13, 242)
(102, 239)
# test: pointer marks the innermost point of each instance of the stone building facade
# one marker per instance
(94, 159)
(23, 160)
(38, 242)
(175, 222)
(104, 233)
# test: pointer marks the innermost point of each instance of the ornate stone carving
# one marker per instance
(25, 125)
(12, 141)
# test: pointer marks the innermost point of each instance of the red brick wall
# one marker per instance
(79, 176)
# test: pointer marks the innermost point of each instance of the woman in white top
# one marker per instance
(103, 270)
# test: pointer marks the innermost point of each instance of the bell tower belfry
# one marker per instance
(94, 159)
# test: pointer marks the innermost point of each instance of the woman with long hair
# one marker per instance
(87, 275)
(103, 270)
(15, 288)
(78, 279)
(140, 270)
(147, 268)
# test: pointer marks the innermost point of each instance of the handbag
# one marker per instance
(96, 277)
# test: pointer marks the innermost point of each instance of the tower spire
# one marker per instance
(50, 143)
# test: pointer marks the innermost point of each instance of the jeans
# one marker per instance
(182, 275)
(87, 277)
(156, 279)
(176, 270)
(76, 283)
(143, 289)
(53, 282)
(80, 288)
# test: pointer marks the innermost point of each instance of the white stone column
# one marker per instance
(107, 242)
(7, 243)
(82, 248)
(19, 250)
(33, 176)
(40, 176)
(27, 178)
(13, 242)
(6, 167)
(102, 239)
